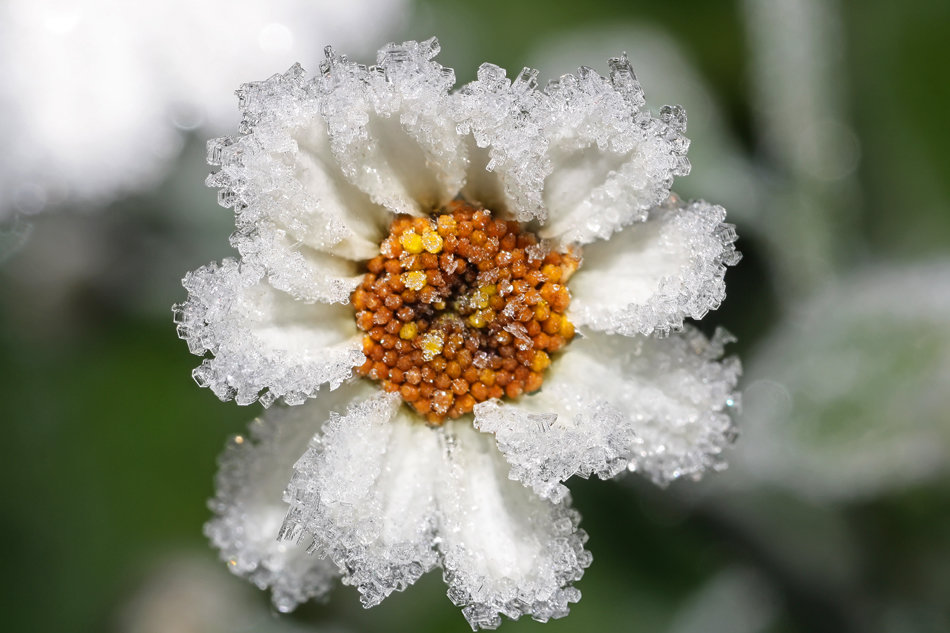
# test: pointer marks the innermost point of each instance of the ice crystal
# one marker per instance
(657, 406)
(670, 267)
(264, 345)
(387, 499)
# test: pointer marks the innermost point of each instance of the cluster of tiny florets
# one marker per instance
(460, 307)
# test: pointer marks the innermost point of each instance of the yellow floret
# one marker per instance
(540, 362)
(476, 320)
(408, 331)
(411, 242)
(431, 345)
(432, 242)
(481, 318)
(415, 280)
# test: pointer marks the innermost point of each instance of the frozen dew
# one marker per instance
(651, 276)
(363, 493)
(506, 551)
(660, 407)
(387, 499)
(264, 345)
(248, 509)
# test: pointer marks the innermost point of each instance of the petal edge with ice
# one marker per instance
(253, 471)
(363, 495)
(652, 275)
(505, 551)
(611, 160)
(655, 406)
(264, 344)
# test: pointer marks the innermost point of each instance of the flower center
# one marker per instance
(459, 308)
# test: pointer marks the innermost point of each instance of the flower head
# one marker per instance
(470, 296)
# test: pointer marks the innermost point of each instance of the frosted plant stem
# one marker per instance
(796, 71)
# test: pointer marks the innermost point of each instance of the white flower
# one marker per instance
(316, 177)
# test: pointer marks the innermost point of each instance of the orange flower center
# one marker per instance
(459, 308)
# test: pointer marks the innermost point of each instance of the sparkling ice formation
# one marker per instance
(342, 468)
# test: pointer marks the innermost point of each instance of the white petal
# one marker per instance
(504, 118)
(261, 339)
(546, 444)
(505, 551)
(658, 406)
(390, 128)
(308, 274)
(652, 275)
(248, 503)
(611, 161)
(280, 172)
(364, 493)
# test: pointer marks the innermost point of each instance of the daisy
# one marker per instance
(464, 299)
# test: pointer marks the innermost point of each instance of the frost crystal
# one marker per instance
(611, 161)
(387, 499)
(671, 267)
(248, 509)
(657, 406)
(265, 345)
(319, 168)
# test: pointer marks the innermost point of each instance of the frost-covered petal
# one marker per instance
(610, 160)
(507, 162)
(505, 551)
(363, 496)
(546, 444)
(307, 274)
(652, 275)
(657, 406)
(389, 126)
(249, 507)
(263, 343)
(279, 173)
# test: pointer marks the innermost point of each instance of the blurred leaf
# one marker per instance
(850, 395)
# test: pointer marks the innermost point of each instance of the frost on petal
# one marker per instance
(652, 275)
(306, 273)
(249, 508)
(611, 160)
(505, 551)
(544, 448)
(264, 344)
(278, 176)
(389, 126)
(657, 406)
(507, 146)
(362, 495)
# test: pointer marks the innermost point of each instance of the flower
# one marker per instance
(424, 238)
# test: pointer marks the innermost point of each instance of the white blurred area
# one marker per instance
(96, 95)
(189, 593)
